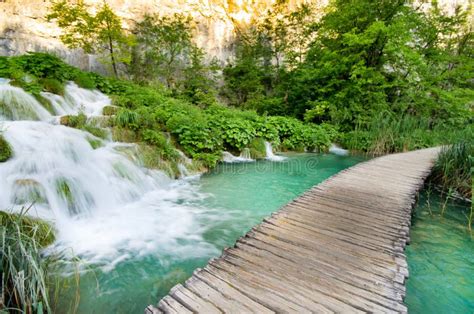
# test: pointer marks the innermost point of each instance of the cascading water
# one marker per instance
(244, 157)
(270, 155)
(336, 150)
(104, 206)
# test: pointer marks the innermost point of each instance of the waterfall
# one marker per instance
(270, 155)
(16, 104)
(244, 157)
(336, 150)
(104, 205)
(77, 100)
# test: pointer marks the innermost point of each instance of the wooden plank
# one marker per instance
(170, 305)
(339, 247)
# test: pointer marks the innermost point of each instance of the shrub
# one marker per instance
(84, 80)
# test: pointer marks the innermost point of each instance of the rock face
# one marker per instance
(23, 26)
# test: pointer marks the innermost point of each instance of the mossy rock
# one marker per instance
(110, 110)
(124, 135)
(257, 148)
(38, 230)
(45, 103)
(6, 151)
(28, 191)
(95, 143)
(53, 86)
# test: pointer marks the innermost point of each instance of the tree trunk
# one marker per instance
(112, 56)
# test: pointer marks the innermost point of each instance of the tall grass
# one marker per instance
(24, 271)
(389, 133)
(454, 167)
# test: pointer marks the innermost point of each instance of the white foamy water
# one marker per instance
(105, 207)
(270, 155)
(229, 158)
(16, 104)
(336, 150)
(76, 100)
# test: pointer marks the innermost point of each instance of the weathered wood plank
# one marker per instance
(339, 247)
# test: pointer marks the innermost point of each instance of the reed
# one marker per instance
(454, 167)
(24, 271)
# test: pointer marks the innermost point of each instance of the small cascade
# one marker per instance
(270, 155)
(336, 150)
(244, 157)
(76, 100)
(245, 154)
(16, 104)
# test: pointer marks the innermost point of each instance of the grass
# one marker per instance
(453, 169)
(388, 133)
(24, 271)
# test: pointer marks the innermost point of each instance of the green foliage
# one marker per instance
(84, 80)
(257, 148)
(24, 272)
(6, 151)
(99, 33)
(162, 144)
(164, 47)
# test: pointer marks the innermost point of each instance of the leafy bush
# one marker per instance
(84, 80)
(6, 151)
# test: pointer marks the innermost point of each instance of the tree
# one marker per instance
(99, 33)
(165, 46)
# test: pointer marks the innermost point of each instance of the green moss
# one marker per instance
(95, 143)
(6, 151)
(257, 148)
(45, 103)
(52, 85)
(124, 135)
(63, 188)
(96, 131)
(80, 122)
(110, 110)
(151, 157)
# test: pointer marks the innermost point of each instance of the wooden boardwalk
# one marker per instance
(339, 247)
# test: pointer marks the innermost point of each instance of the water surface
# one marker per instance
(440, 258)
(234, 198)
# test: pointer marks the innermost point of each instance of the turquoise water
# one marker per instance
(440, 258)
(235, 197)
